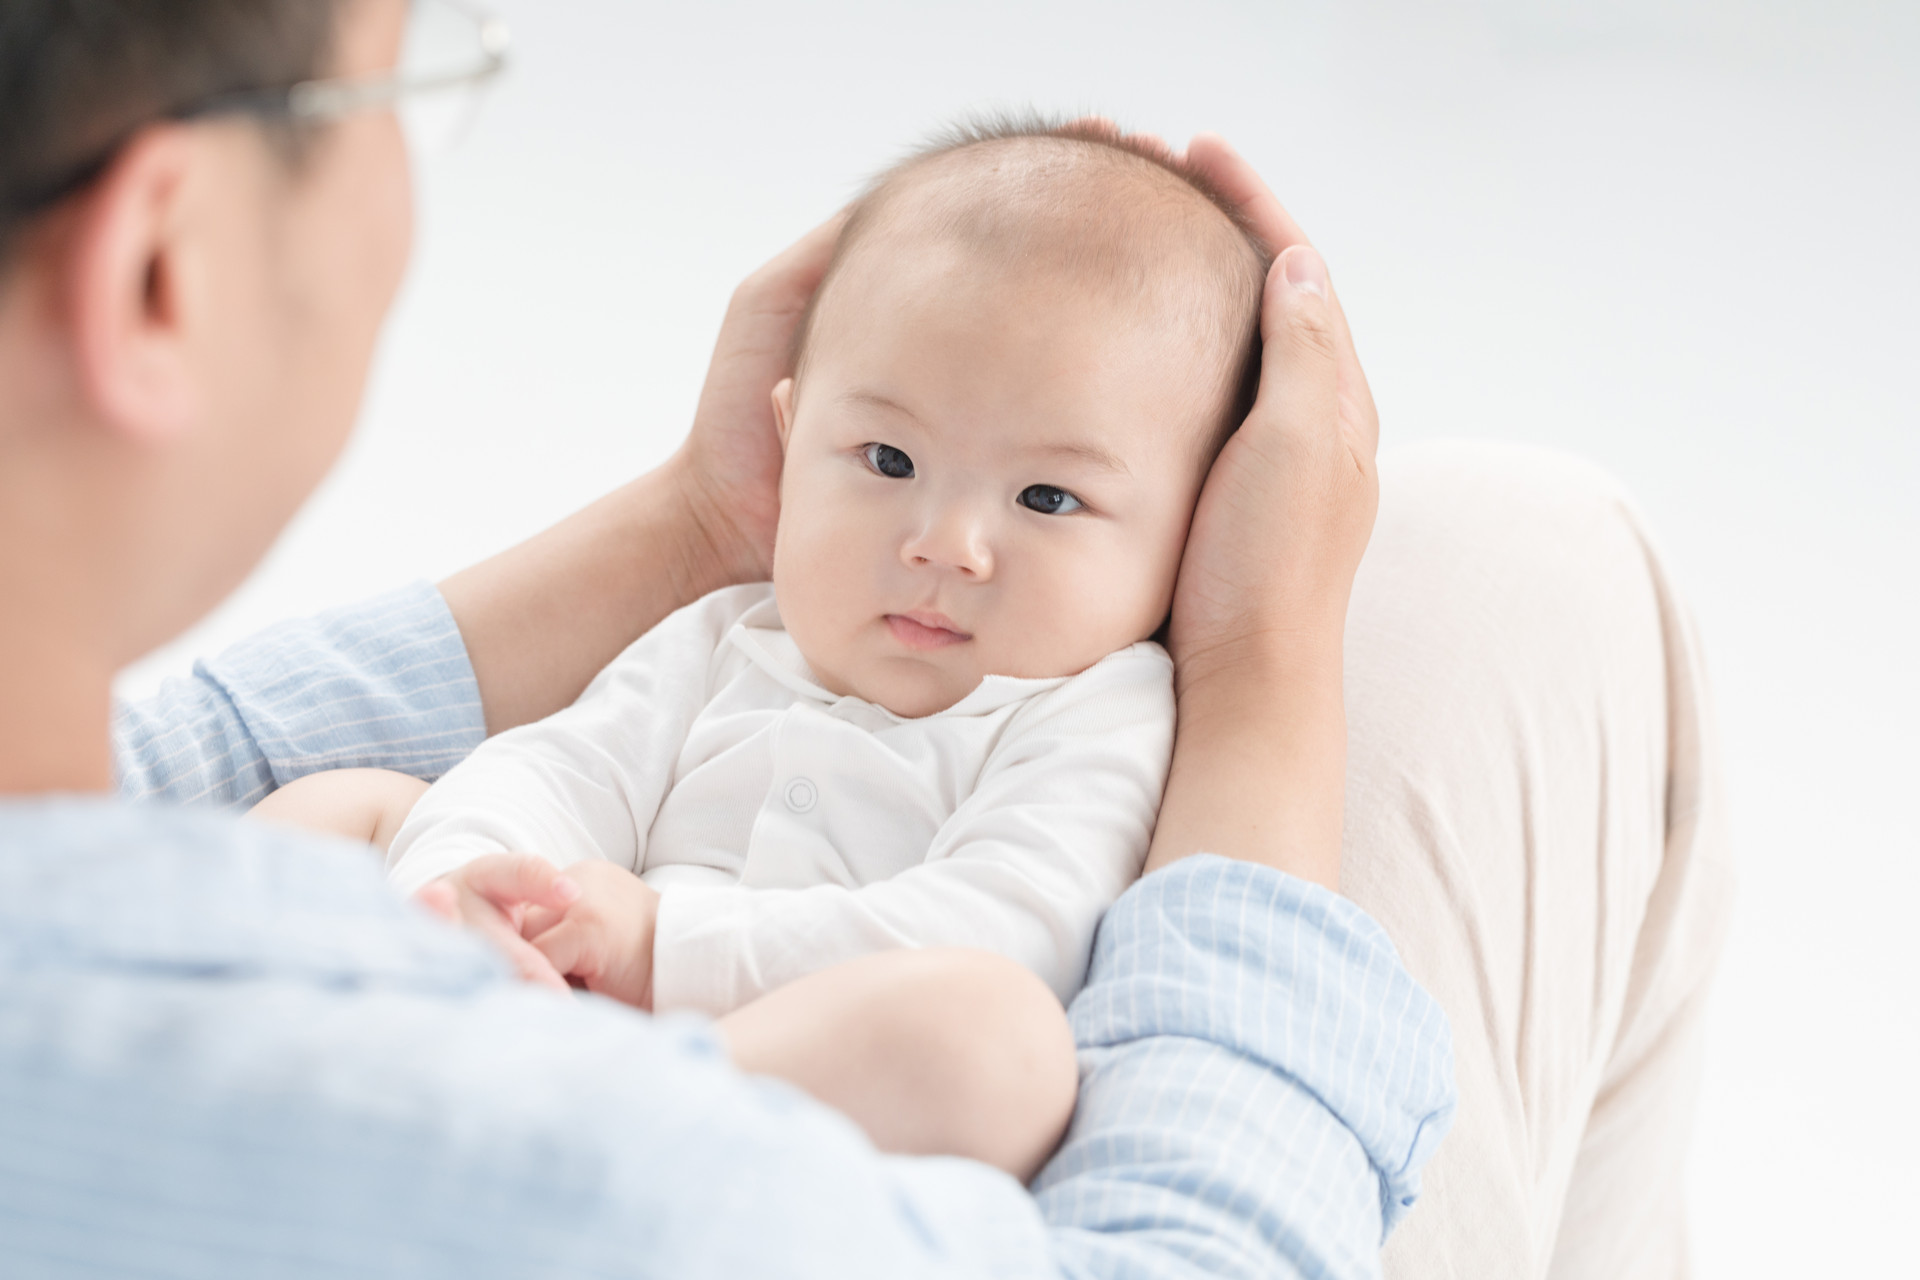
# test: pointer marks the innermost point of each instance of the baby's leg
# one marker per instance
(361, 804)
(931, 1052)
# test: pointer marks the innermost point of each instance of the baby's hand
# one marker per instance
(605, 939)
(494, 896)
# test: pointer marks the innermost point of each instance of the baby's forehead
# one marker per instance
(1069, 207)
(1045, 219)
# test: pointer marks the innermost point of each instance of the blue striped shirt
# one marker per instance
(385, 685)
(231, 1050)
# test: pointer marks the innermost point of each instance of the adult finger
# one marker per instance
(1299, 396)
(1238, 181)
(438, 897)
(1103, 126)
(788, 280)
(1235, 179)
(1153, 140)
(513, 880)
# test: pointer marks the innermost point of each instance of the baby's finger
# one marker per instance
(510, 880)
(526, 959)
(535, 921)
(569, 949)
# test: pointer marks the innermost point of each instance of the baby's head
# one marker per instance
(1029, 347)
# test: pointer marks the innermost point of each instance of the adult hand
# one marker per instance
(730, 463)
(700, 522)
(1289, 506)
(1259, 614)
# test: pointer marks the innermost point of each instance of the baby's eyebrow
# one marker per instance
(874, 400)
(1091, 454)
(1080, 451)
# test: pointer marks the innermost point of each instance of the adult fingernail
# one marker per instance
(1305, 270)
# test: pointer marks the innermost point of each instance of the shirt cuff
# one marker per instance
(696, 950)
(1293, 976)
(385, 684)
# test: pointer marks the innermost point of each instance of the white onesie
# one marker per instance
(788, 828)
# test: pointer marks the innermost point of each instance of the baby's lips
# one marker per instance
(910, 630)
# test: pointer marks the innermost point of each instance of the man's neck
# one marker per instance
(56, 706)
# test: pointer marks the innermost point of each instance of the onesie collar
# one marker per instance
(761, 636)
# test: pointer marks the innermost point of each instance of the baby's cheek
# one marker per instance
(1137, 592)
(821, 582)
(1077, 615)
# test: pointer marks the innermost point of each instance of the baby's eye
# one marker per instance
(889, 461)
(1049, 501)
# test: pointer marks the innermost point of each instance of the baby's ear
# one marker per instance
(783, 410)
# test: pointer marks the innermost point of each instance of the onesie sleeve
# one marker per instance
(385, 684)
(1055, 829)
(585, 782)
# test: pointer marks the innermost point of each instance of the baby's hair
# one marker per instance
(1240, 255)
(1094, 133)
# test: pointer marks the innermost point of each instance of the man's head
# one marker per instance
(1031, 343)
(188, 298)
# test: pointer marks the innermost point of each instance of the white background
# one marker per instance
(1680, 241)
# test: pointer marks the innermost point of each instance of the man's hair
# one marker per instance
(1025, 168)
(79, 77)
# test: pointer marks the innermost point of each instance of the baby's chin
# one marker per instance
(913, 688)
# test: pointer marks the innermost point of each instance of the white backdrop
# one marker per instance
(1676, 240)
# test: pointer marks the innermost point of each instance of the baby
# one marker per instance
(944, 723)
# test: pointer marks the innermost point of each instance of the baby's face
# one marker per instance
(988, 472)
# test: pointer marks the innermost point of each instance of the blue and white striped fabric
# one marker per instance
(1260, 1082)
(230, 1050)
(382, 685)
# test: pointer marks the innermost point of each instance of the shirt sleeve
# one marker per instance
(295, 1073)
(587, 781)
(1055, 829)
(1261, 1082)
(386, 684)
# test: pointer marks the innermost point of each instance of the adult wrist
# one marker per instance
(1251, 673)
(714, 550)
(1259, 763)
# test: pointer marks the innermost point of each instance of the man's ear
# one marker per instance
(783, 410)
(126, 303)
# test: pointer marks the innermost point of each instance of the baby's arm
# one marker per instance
(864, 997)
(887, 1001)
(360, 804)
(583, 784)
(957, 1053)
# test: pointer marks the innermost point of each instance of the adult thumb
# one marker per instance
(1300, 352)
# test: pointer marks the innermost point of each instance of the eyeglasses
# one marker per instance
(453, 51)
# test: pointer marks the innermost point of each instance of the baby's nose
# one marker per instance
(951, 540)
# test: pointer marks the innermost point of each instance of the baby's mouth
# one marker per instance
(924, 629)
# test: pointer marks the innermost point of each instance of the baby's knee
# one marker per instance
(994, 1042)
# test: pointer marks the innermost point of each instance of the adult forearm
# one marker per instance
(1261, 1029)
(1259, 763)
(541, 619)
